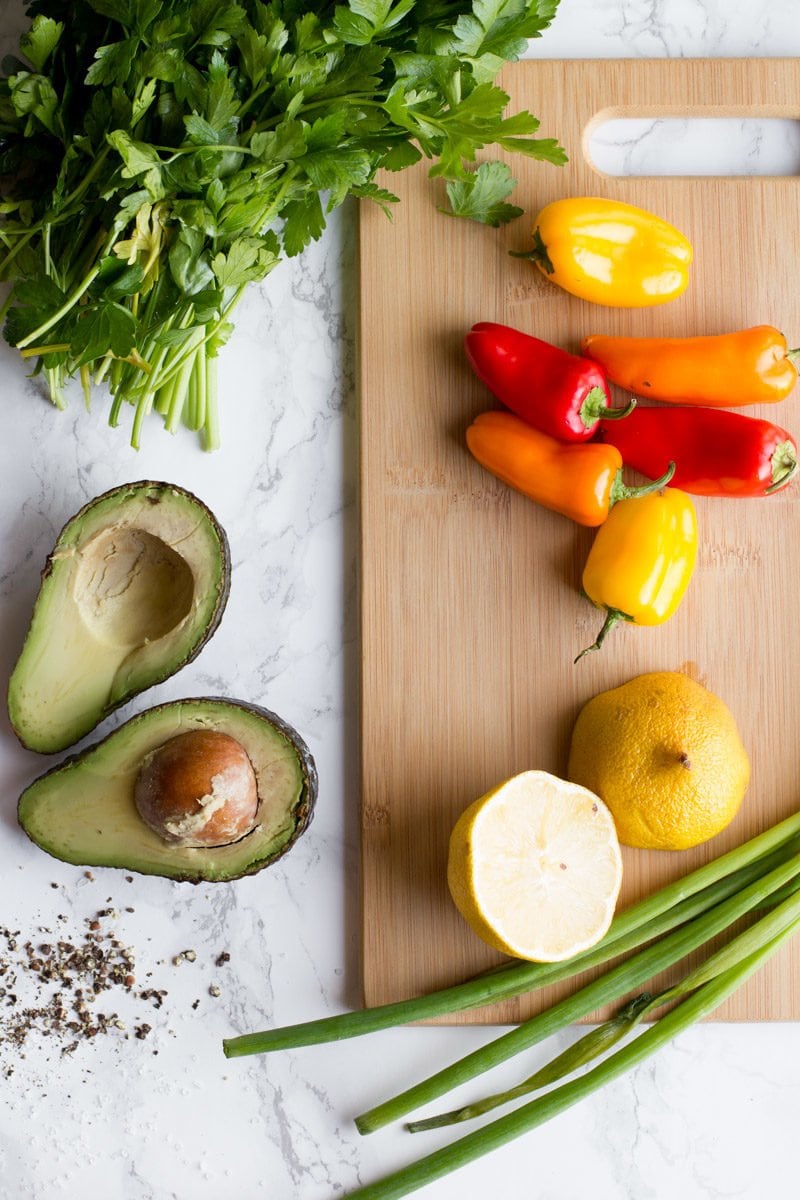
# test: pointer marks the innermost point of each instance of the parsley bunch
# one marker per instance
(159, 155)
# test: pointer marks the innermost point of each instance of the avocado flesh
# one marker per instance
(83, 810)
(133, 588)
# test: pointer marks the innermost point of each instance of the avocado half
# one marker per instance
(83, 811)
(133, 589)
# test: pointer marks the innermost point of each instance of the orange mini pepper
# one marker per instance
(727, 370)
(580, 480)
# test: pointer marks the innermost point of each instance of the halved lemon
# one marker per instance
(534, 867)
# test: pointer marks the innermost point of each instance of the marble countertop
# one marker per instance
(155, 1111)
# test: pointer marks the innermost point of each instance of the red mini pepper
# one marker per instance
(716, 453)
(559, 393)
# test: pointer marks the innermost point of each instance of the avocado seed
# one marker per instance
(198, 789)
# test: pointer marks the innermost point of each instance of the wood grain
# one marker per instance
(471, 612)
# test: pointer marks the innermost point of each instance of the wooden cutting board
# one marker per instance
(471, 611)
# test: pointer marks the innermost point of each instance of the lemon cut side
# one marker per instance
(534, 867)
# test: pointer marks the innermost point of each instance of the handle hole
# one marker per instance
(695, 146)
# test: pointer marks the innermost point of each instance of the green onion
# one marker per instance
(662, 930)
(594, 1043)
(631, 928)
(537, 1112)
(615, 983)
(599, 1040)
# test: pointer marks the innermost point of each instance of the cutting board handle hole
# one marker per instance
(624, 146)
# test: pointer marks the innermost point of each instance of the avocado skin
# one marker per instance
(156, 490)
(302, 811)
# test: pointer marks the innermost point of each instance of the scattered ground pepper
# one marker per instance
(51, 987)
(60, 985)
(184, 956)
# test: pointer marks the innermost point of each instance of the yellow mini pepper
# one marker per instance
(610, 253)
(641, 560)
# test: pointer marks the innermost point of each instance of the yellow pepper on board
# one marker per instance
(610, 253)
(641, 560)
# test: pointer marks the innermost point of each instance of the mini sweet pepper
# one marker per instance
(560, 393)
(610, 253)
(716, 453)
(642, 560)
(580, 480)
(726, 370)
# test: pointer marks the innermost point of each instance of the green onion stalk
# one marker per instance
(784, 918)
(615, 983)
(491, 1137)
(650, 937)
(655, 914)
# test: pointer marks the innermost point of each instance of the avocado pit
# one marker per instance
(131, 587)
(198, 789)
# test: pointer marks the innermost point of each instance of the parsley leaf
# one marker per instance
(39, 42)
(163, 154)
(247, 260)
(304, 223)
(483, 194)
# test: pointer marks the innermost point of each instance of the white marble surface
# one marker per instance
(713, 1116)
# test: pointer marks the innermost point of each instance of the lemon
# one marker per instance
(666, 756)
(534, 867)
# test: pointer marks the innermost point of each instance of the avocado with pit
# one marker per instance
(133, 589)
(86, 810)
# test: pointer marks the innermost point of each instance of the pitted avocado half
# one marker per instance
(83, 811)
(133, 589)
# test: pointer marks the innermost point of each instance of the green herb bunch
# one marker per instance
(156, 156)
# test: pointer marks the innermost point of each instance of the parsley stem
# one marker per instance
(20, 245)
(113, 416)
(103, 368)
(68, 304)
(163, 397)
(362, 99)
(179, 396)
(5, 306)
(166, 373)
(55, 387)
(212, 147)
(196, 416)
(52, 348)
(91, 174)
(86, 385)
(143, 407)
(212, 437)
(170, 363)
(145, 401)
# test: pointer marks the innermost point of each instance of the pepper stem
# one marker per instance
(621, 491)
(783, 464)
(538, 254)
(613, 617)
(793, 355)
(595, 406)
